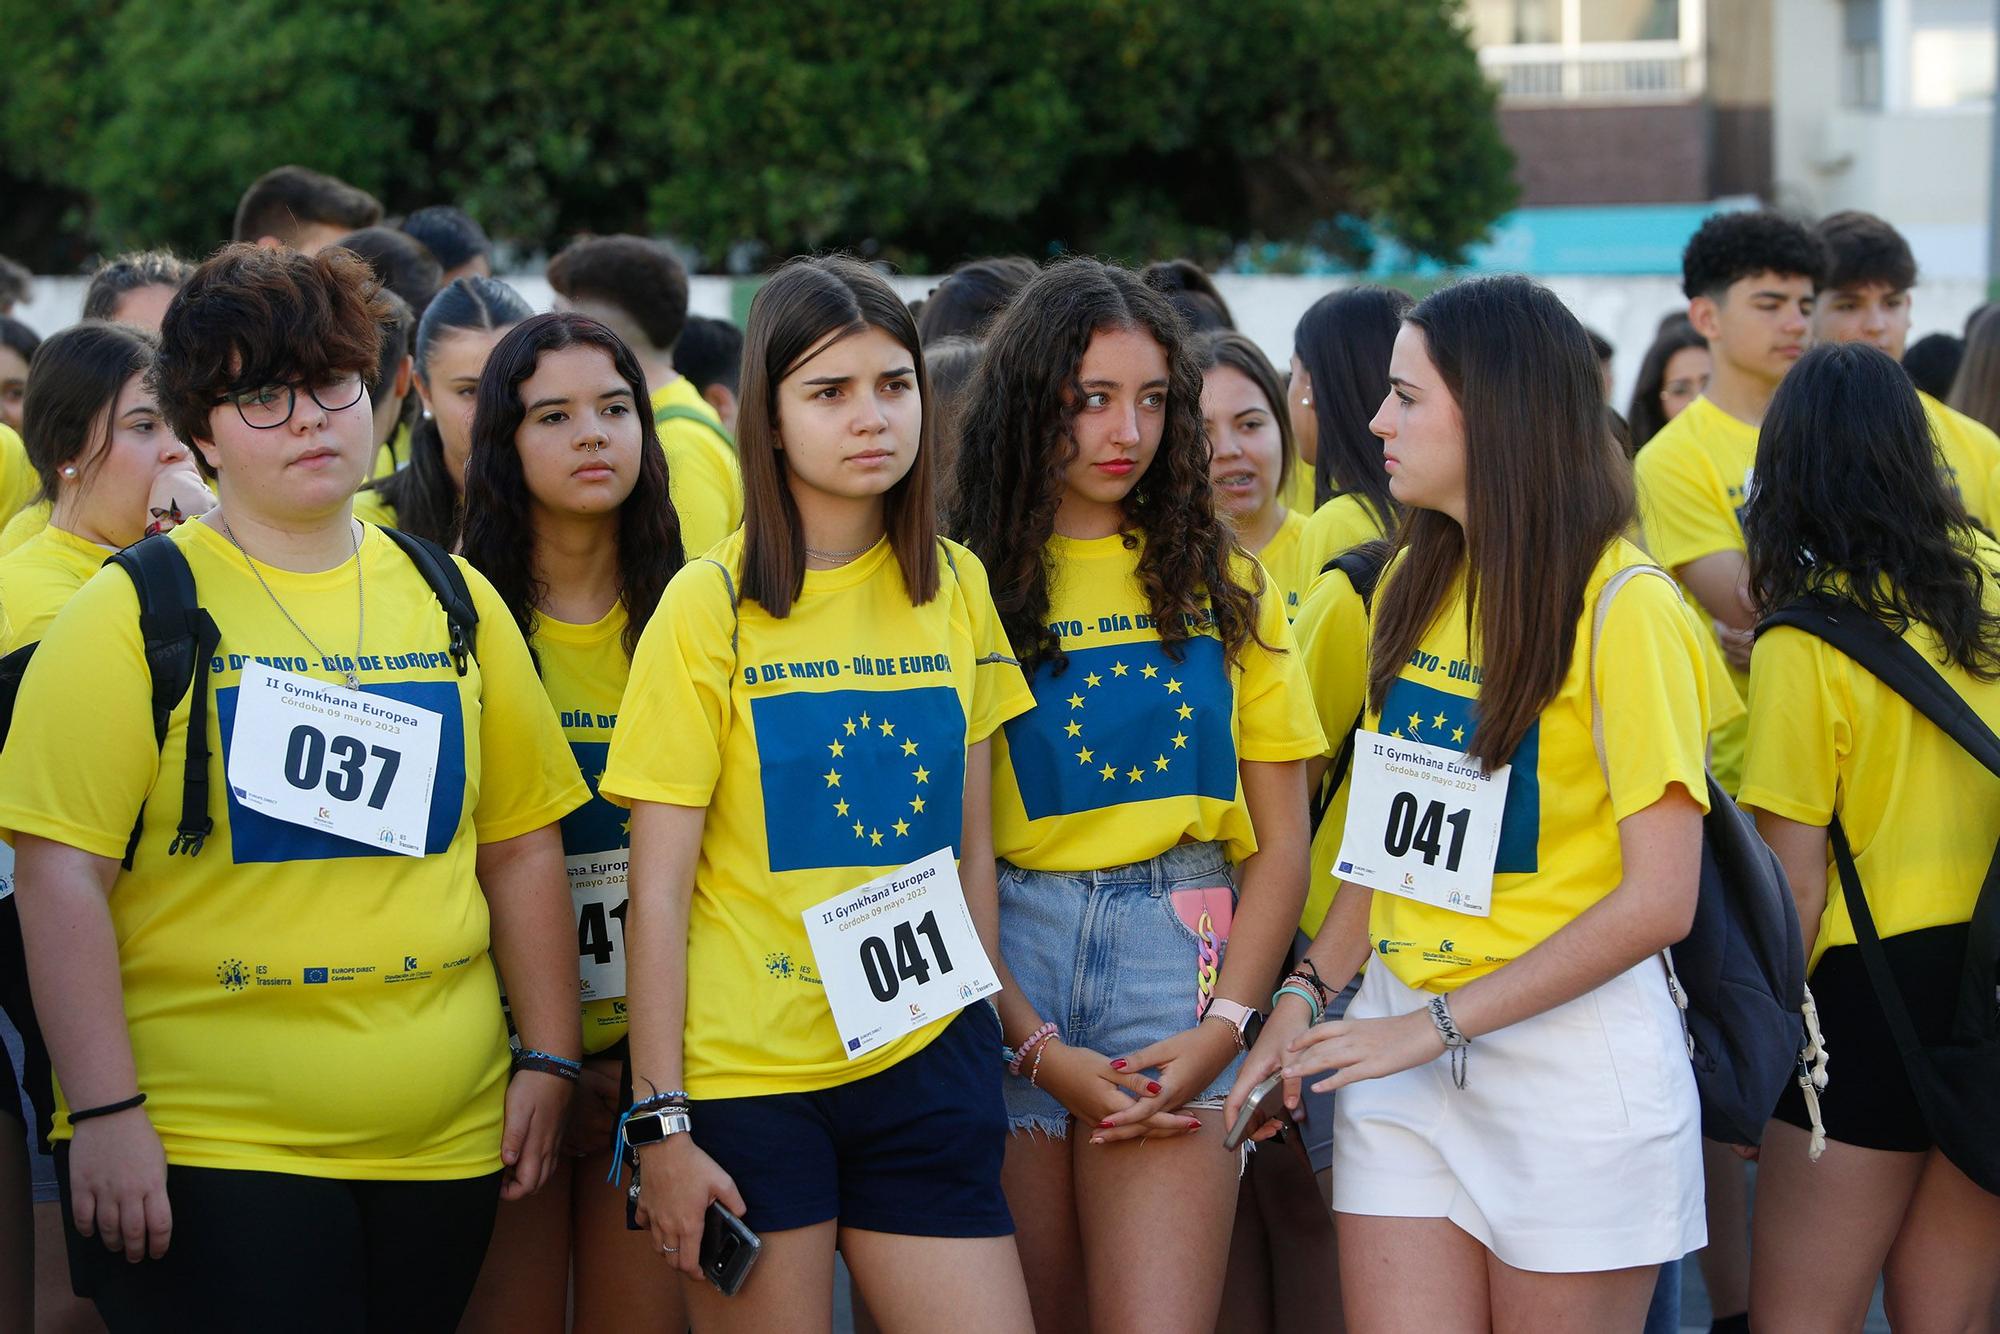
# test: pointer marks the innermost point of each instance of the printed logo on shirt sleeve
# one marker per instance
(860, 777)
(1126, 723)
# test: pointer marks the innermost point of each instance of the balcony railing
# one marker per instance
(1595, 72)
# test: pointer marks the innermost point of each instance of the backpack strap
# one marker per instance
(680, 412)
(180, 637)
(1890, 659)
(735, 604)
(447, 582)
(1363, 566)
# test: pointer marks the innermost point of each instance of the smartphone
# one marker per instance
(728, 1249)
(1266, 1098)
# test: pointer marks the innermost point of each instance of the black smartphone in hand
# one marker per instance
(728, 1249)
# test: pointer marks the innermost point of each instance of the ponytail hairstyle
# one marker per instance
(1547, 490)
(1226, 347)
(1851, 499)
(808, 305)
(1016, 440)
(499, 524)
(426, 502)
(1343, 341)
(73, 385)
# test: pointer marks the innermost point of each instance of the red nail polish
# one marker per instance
(1118, 1065)
(1193, 1123)
(1152, 1086)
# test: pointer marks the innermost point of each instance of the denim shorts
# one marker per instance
(1112, 957)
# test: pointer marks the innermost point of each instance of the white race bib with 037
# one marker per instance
(342, 761)
(597, 893)
(898, 953)
(1423, 821)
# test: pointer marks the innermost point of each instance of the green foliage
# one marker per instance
(920, 132)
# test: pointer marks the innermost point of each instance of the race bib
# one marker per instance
(898, 953)
(321, 756)
(597, 893)
(1423, 821)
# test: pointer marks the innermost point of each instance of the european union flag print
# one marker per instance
(1416, 712)
(597, 825)
(860, 777)
(1126, 723)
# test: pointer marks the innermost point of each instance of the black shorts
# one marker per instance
(913, 1150)
(1868, 1101)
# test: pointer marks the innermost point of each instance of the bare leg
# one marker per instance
(1822, 1230)
(1608, 1301)
(524, 1284)
(900, 1274)
(1155, 1216)
(1942, 1274)
(791, 1288)
(1725, 1261)
(1041, 1195)
(620, 1283)
(1412, 1276)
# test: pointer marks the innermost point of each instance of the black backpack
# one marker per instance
(1739, 977)
(1363, 566)
(181, 637)
(1956, 1082)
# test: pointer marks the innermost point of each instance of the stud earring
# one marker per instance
(1305, 400)
(69, 470)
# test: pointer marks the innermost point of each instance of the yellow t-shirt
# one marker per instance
(1971, 454)
(829, 749)
(1343, 523)
(392, 453)
(703, 478)
(19, 484)
(1919, 812)
(371, 506)
(1693, 479)
(1129, 751)
(38, 579)
(297, 1002)
(1280, 558)
(24, 526)
(1333, 644)
(1297, 494)
(1559, 850)
(584, 669)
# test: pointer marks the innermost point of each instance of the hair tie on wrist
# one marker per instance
(108, 1109)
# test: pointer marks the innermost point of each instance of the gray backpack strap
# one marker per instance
(735, 602)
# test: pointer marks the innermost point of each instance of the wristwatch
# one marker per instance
(1246, 1022)
(656, 1126)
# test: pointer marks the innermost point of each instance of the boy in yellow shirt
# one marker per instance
(637, 289)
(1749, 279)
(1864, 297)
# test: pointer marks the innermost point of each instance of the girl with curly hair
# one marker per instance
(1160, 776)
(566, 512)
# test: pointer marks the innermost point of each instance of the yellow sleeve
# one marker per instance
(527, 773)
(1274, 704)
(18, 483)
(371, 506)
(1333, 646)
(24, 526)
(1682, 511)
(1725, 705)
(675, 715)
(1653, 694)
(76, 773)
(704, 483)
(1798, 732)
(1000, 692)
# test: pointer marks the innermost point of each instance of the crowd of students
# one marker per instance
(488, 787)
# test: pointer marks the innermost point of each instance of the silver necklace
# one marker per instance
(817, 554)
(360, 607)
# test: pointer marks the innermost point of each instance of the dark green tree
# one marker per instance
(920, 132)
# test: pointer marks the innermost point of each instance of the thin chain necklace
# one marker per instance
(817, 554)
(360, 607)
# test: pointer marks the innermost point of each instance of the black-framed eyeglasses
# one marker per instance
(270, 406)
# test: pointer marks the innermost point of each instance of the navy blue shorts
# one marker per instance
(913, 1150)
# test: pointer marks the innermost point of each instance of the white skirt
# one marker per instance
(1574, 1147)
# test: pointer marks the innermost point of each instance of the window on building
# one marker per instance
(1515, 22)
(1631, 20)
(1951, 52)
(1861, 53)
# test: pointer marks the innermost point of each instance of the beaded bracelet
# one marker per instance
(1027, 1049)
(1041, 1050)
(547, 1063)
(1308, 972)
(1292, 988)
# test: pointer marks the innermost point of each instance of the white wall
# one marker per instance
(1625, 310)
